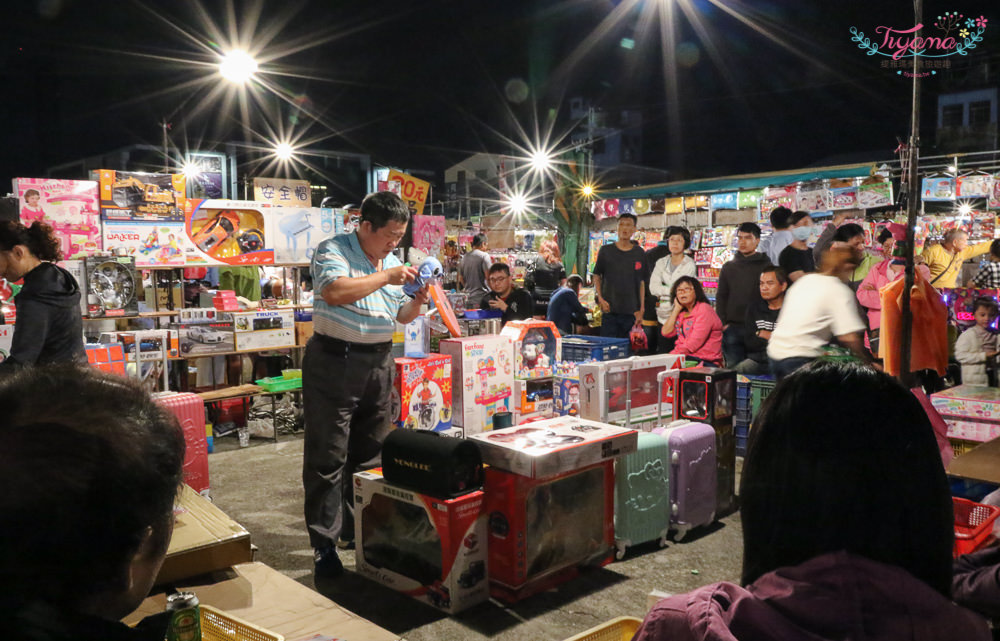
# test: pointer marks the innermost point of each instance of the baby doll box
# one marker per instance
(537, 347)
(434, 550)
(227, 232)
(545, 448)
(972, 412)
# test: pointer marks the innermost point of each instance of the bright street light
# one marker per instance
(518, 204)
(237, 66)
(540, 160)
(284, 151)
(191, 170)
(588, 190)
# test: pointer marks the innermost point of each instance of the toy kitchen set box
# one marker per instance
(482, 379)
(972, 412)
(430, 548)
(421, 394)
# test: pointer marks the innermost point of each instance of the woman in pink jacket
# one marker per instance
(695, 324)
(878, 277)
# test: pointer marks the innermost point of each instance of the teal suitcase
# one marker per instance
(642, 494)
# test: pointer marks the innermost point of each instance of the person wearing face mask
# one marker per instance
(49, 326)
(945, 260)
(797, 259)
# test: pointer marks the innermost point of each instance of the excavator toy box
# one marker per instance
(136, 196)
(227, 232)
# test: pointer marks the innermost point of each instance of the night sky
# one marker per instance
(422, 83)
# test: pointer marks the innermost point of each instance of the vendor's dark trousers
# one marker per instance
(617, 325)
(346, 396)
(785, 366)
(733, 348)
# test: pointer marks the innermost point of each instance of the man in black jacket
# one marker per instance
(515, 302)
(760, 320)
(739, 286)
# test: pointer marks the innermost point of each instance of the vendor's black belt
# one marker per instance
(337, 346)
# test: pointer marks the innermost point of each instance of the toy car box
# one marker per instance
(542, 530)
(227, 232)
(533, 398)
(432, 549)
(482, 379)
(203, 331)
(972, 412)
(263, 329)
(421, 392)
(145, 355)
(610, 391)
(110, 287)
(536, 347)
(545, 448)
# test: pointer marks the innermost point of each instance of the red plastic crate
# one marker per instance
(973, 524)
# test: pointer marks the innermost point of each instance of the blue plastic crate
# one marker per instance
(742, 391)
(743, 404)
(579, 348)
(743, 416)
(741, 446)
(741, 430)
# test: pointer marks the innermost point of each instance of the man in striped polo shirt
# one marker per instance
(347, 368)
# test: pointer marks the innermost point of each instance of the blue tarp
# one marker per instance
(735, 183)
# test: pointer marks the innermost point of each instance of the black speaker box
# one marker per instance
(430, 463)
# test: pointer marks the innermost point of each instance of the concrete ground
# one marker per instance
(260, 487)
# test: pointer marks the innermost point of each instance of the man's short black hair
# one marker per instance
(847, 231)
(382, 207)
(995, 248)
(574, 281)
(797, 216)
(634, 218)
(499, 267)
(780, 216)
(88, 464)
(749, 228)
(779, 273)
(478, 240)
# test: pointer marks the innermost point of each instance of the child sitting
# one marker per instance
(977, 344)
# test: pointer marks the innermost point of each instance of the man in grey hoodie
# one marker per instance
(739, 285)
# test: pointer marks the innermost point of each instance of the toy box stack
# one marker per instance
(429, 548)
(421, 394)
(612, 391)
(482, 379)
(972, 413)
(550, 497)
(537, 347)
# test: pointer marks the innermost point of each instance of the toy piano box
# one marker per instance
(537, 347)
(611, 391)
(482, 379)
(548, 447)
(431, 549)
(421, 393)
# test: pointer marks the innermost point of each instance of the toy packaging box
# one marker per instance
(263, 329)
(106, 357)
(972, 412)
(708, 395)
(536, 347)
(482, 379)
(542, 530)
(548, 447)
(6, 341)
(131, 195)
(145, 356)
(421, 393)
(612, 390)
(294, 232)
(434, 550)
(227, 232)
(71, 207)
(566, 393)
(110, 286)
(152, 244)
(533, 399)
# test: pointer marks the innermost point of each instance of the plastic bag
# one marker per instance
(637, 338)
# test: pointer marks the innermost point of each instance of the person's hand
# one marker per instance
(725, 327)
(400, 274)
(918, 259)
(638, 316)
(765, 334)
(422, 295)
(678, 308)
(990, 353)
(839, 217)
(497, 303)
(605, 306)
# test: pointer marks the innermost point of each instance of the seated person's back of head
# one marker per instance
(90, 467)
(847, 522)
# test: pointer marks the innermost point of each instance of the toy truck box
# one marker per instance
(482, 379)
(421, 393)
(431, 549)
(263, 329)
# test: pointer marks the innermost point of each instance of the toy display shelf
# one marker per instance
(244, 351)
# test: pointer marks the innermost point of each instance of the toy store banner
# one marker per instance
(724, 201)
(71, 207)
(412, 190)
(281, 192)
(133, 195)
(151, 244)
(875, 195)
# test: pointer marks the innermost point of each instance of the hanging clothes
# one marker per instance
(929, 344)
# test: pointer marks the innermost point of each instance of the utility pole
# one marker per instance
(912, 194)
(166, 146)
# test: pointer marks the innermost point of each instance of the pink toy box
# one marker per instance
(972, 412)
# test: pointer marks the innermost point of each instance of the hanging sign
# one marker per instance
(975, 186)
(875, 195)
(845, 198)
(282, 192)
(749, 199)
(814, 200)
(412, 190)
(938, 188)
(724, 201)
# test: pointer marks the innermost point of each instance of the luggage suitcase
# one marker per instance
(642, 499)
(190, 412)
(693, 476)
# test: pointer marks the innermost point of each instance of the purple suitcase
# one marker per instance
(693, 476)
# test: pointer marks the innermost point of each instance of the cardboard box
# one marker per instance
(972, 412)
(204, 540)
(431, 549)
(110, 286)
(227, 232)
(421, 393)
(611, 390)
(482, 379)
(204, 339)
(152, 244)
(303, 332)
(556, 445)
(542, 530)
(537, 347)
(534, 397)
(6, 341)
(146, 354)
(294, 232)
(133, 195)
(566, 395)
(264, 329)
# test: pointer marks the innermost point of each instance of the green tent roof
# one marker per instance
(735, 183)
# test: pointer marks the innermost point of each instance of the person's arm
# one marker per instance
(854, 343)
(826, 236)
(642, 302)
(670, 325)
(597, 277)
(722, 294)
(578, 313)
(346, 290)
(656, 285)
(976, 581)
(409, 310)
(976, 250)
(605, 306)
(461, 281)
(868, 294)
(30, 334)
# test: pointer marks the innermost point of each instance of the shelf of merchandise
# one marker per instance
(189, 357)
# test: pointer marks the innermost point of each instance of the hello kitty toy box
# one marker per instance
(537, 347)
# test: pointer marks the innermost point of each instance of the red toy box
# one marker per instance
(431, 549)
(542, 530)
(421, 393)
